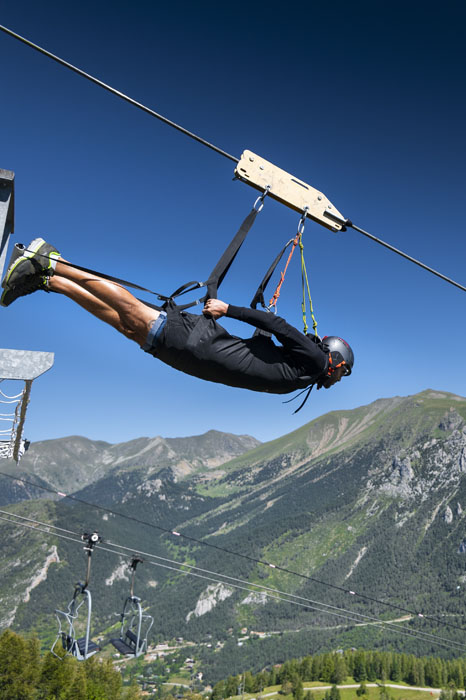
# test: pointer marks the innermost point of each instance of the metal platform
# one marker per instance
(24, 364)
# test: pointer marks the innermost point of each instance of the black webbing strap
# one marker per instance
(217, 275)
(117, 280)
(215, 278)
(225, 262)
(259, 295)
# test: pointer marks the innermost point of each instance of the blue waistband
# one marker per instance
(154, 332)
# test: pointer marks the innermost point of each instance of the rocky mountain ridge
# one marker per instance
(71, 463)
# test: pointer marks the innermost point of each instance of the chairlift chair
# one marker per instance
(134, 624)
(79, 647)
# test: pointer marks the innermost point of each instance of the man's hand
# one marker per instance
(214, 308)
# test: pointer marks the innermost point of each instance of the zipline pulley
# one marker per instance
(289, 190)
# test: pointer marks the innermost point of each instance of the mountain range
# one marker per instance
(71, 463)
(369, 500)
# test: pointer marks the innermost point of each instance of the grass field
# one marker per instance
(348, 693)
(374, 693)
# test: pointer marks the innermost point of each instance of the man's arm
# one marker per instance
(287, 335)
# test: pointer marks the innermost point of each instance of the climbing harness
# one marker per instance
(222, 267)
(134, 624)
(80, 647)
(216, 276)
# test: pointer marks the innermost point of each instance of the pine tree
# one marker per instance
(371, 666)
(395, 674)
(56, 677)
(19, 667)
(306, 669)
(328, 668)
(101, 677)
(218, 691)
(133, 693)
(249, 683)
(359, 671)
(287, 688)
(456, 674)
(78, 688)
(339, 671)
(231, 686)
(384, 695)
(297, 687)
(316, 668)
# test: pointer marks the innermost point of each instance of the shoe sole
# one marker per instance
(16, 253)
(18, 256)
(17, 293)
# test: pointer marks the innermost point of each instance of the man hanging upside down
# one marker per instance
(193, 344)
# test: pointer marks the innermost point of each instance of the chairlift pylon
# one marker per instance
(134, 624)
(79, 647)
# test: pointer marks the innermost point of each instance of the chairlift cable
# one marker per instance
(266, 589)
(38, 522)
(423, 636)
(38, 529)
(261, 562)
(424, 616)
(345, 614)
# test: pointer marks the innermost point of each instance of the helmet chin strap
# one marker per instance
(321, 382)
(331, 367)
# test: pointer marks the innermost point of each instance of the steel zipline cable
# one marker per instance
(112, 90)
(206, 143)
(167, 531)
(406, 256)
(274, 594)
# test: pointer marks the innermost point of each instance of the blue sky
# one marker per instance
(365, 101)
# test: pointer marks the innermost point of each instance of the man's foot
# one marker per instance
(25, 284)
(28, 270)
(40, 257)
(43, 255)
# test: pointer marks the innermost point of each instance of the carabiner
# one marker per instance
(302, 220)
(260, 200)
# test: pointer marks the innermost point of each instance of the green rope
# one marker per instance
(305, 287)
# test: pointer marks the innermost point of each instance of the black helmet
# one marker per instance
(340, 351)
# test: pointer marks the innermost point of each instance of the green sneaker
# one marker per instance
(43, 254)
(25, 284)
(38, 258)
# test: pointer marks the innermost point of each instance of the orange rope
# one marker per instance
(274, 298)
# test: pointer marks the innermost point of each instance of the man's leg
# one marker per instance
(106, 300)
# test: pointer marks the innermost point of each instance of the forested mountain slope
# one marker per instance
(370, 500)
